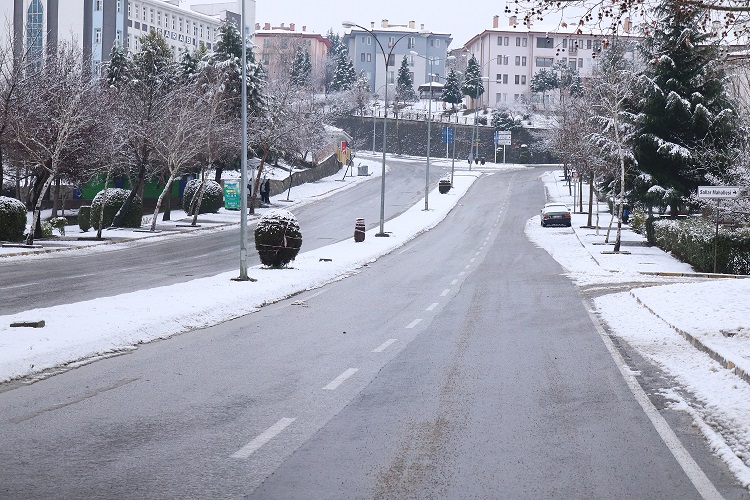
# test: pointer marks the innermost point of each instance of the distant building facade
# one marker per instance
(277, 46)
(510, 56)
(365, 52)
(98, 25)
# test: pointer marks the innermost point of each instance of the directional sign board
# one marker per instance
(727, 192)
(503, 138)
(447, 135)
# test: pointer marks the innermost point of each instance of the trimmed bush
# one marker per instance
(84, 217)
(115, 199)
(692, 240)
(213, 196)
(12, 219)
(277, 238)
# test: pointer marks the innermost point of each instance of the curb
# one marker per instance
(696, 342)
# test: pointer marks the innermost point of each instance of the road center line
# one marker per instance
(432, 306)
(263, 438)
(340, 379)
(473, 259)
(414, 323)
(477, 254)
(445, 292)
(385, 345)
(467, 266)
(454, 282)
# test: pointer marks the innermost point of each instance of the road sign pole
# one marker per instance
(503, 153)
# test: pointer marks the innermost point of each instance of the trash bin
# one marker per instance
(359, 230)
(362, 170)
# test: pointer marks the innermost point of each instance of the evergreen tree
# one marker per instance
(542, 81)
(301, 67)
(472, 85)
(452, 90)
(405, 84)
(503, 119)
(117, 67)
(189, 64)
(344, 76)
(685, 117)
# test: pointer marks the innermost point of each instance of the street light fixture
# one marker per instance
(429, 129)
(386, 57)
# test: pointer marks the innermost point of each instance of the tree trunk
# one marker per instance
(198, 199)
(167, 214)
(56, 198)
(164, 192)
(592, 179)
(36, 221)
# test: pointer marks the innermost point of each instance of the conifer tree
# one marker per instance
(343, 76)
(686, 120)
(452, 90)
(405, 83)
(472, 85)
(301, 67)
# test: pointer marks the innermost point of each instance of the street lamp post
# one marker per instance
(348, 24)
(475, 131)
(429, 130)
(243, 166)
(374, 109)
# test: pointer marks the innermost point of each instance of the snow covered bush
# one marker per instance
(84, 217)
(59, 223)
(12, 219)
(213, 196)
(277, 238)
(692, 241)
(115, 197)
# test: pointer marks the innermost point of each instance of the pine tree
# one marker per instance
(686, 120)
(405, 83)
(452, 90)
(344, 76)
(472, 85)
(542, 81)
(117, 67)
(300, 72)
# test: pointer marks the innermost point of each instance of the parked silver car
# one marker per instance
(555, 214)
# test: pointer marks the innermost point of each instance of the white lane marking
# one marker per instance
(340, 379)
(263, 438)
(473, 259)
(385, 345)
(445, 292)
(413, 323)
(408, 248)
(693, 471)
(454, 282)
(467, 266)
(316, 294)
(477, 254)
(461, 273)
(432, 306)
(17, 286)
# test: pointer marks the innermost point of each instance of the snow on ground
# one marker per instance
(696, 331)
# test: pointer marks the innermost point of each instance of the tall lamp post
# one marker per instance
(243, 168)
(429, 129)
(349, 24)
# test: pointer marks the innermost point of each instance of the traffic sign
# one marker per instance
(447, 135)
(503, 138)
(720, 192)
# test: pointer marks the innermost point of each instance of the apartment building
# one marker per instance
(510, 56)
(277, 46)
(398, 40)
(98, 25)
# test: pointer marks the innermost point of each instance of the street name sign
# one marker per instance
(503, 138)
(725, 192)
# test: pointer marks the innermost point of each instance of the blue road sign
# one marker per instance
(447, 135)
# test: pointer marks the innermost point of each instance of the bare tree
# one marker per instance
(12, 76)
(56, 121)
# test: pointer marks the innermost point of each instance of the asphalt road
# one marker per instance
(463, 365)
(71, 276)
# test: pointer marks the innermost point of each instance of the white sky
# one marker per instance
(650, 318)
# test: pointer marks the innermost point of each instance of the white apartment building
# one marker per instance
(98, 25)
(510, 56)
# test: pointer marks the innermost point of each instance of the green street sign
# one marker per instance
(232, 199)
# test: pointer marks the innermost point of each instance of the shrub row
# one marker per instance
(692, 240)
(12, 219)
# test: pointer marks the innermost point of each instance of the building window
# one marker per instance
(391, 60)
(544, 62)
(195, 30)
(369, 57)
(518, 41)
(505, 60)
(151, 14)
(174, 23)
(180, 30)
(367, 40)
(505, 79)
(523, 60)
(97, 36)
(35, 31)
(517, 79)
(412, 42)
(588, 44)
(523, 79)
(391, 77)
(137, 11)
(118, 38)
(98, 5)
(518, 60)
(499, 60)
(362, 57)
(565, 43)
(544, 42)
(580, 62)
(498, 78)
(524, 42)
(506, 41)
(499, 40)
